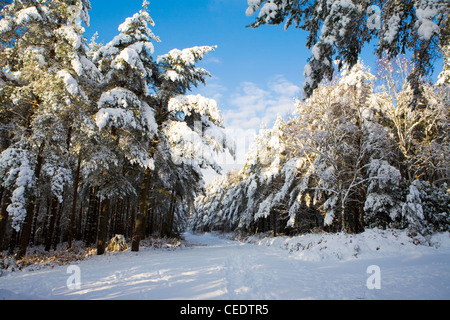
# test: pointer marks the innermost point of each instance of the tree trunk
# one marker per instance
(274, 223)
(51, 229)
(129, 219)
(12, 241)
(116, 217)
(46, 220)
(102, 234)
(56, 232)
(139, 230)
(34, 226)
(2, 191)
(172, 213)
(91, 218)
(166, 230)
(27, 224)
(150, 221)
(74, 204)
(4, 215)
(344, 227)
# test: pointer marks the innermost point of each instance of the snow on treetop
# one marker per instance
(357, 76)
(336, 5)
(180, 67)
(188, 147)
(5, 25)
(138, 25)
(119, 96)
(135, 35)
(120, 117)
(122, 107)
(84, 15)
(21, 17)
(68, 33)
(187, 56)
(111, 48)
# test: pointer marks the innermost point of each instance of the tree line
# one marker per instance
(97, 139)
(354, 155)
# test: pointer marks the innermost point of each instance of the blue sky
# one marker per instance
(243, 54)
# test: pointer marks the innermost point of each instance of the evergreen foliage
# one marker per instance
(92, 142)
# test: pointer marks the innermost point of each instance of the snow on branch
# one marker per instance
(189, 104)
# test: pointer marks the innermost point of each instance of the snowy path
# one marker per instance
(217, 268)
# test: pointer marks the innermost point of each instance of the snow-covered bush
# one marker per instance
(427, 208)
(384, 194)
(117, 243)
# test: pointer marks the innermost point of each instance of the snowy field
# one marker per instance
(315, 266)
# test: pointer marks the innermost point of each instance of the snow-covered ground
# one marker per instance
(315, 266)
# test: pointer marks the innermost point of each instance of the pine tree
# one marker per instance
(192, 133)
(142, 112)
(339, 29)
(126, 114)
(47, 68)
(90, 135)
(383, 203)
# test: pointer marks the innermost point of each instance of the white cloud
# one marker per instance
(284, 87)
(213, 91)
(212, 60)
(250, 106)
(247, 108)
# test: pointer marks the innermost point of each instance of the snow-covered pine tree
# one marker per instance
(219, 207)
(339, 29)
(145, 110)
(263, 166)
(126, 110)
(47, 74)
(18, 105)
(192, 132)
(383, 203)
(255, 197)
(124, 107)
(435, 201)
(412, 210)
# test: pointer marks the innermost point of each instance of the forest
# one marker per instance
(353, 156)
(103, 139)
(97, 139)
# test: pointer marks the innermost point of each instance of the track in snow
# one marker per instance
(216, 268)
